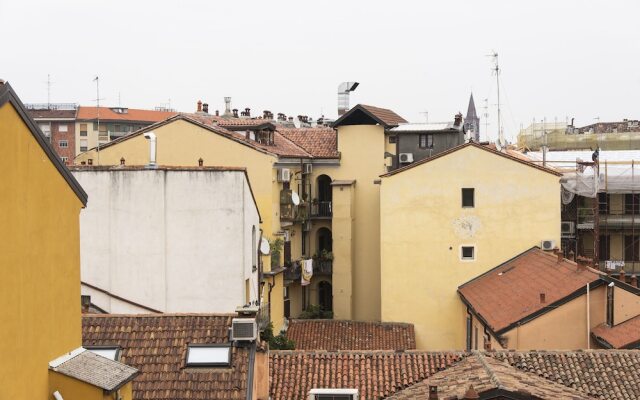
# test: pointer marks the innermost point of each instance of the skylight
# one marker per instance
(205, 355)
(110, 352)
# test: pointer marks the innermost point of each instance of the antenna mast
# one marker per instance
(97, 81)
(485, 115)
(48, 92)
(496, 69)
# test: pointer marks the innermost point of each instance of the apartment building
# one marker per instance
(99, 125)
(57, 123)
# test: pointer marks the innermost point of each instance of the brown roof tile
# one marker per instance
(327, 334)
(132, 114)
(319, 142)
(376, 374)
(622, 336)
(45, 114)
(604, 374)
(157, 345)
(485, 374)
(385, 115)
(512, 291)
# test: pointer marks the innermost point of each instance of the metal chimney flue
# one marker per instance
(343, 96)
(152, 148)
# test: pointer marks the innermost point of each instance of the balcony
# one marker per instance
(321, 209)
(293, 272)
(289, 211)
(610, 219)
(630, 267)
(324, 267)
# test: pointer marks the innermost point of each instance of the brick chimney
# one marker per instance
(205, 108)
(199, 109)
(634, 281)
(433, 392)
(471, 394)
(235, 113)
(622, 276)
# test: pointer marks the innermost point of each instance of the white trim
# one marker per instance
(475, 252)
(352, 392)
(66, 357)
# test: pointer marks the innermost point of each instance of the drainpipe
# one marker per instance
(588, 317)
(57, 395)
(250, 373)
(152, 148)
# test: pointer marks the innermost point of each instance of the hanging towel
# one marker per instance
(307, 272)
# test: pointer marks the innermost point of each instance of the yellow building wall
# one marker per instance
(73, 389)
(626, 305)
(423, 226)
(181, 143)
(362, 159)
(564, 328)
(40, 263)
(343, 222)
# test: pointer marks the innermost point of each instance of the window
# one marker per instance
(393, 138)
(63, 128)
(605, 247)
(603, 203)
(46, 129)
(64, 159)
(632, 203)
(83, 145)
(426, 141)
(110, 352)
(467, 253)
(83, 148)
(83, 129)
(208, 355)
(468, 197)
(631, 252)
(333, 394)
(63, 144)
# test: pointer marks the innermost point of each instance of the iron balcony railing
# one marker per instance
(629, 267)
(293, 272)
(324, 267)
(321, 209)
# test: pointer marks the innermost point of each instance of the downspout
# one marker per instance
(588, 317)
(250, 373)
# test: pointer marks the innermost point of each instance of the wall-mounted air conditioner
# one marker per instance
(284, 175)
(568, 228)
(406, 158)
(308, 168)
(244, 329)
(548, 245)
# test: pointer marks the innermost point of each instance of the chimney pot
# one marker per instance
(622, 276)
(199, 109)
(634, 281)
(543, 298)
(433, 392)
(560, 256)
(235, 112)
(90, 161)
(205, 108)
(217, 113)
(458, 119)
(471, 394)
(572, 255)
(200, 162)
(122, 161)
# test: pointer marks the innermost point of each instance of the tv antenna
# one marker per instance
(49, 91)
(485, 115)
(496, 70)
(97, 81)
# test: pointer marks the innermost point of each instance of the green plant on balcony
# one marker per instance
(316, 312)
(324, 255)
(276, 250)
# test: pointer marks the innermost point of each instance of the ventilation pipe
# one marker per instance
(343, 96)
(152, 148)
(57, 395)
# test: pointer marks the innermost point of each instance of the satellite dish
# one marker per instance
(264, 246)
(295, 198)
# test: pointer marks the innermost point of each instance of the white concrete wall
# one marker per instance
(175, 241)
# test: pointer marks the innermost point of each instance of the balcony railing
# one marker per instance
(324, 267)
(629, 267)
(321, 209)
(293, 272)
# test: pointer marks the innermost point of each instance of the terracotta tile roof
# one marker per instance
(45, 114)
(605, 374)
(319, 142)
(622, 336)
(96, 370)
(486, 374)
(385, 115)
(157, 346)
(376, 374)
(509, 155)
(132, 114)
(328, 334)
(512, 291)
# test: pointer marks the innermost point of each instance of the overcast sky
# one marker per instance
(558, 58)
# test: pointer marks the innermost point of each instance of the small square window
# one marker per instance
(63, 144)
(64, 159)
(208, 355)
(110, 352)
(83, 148)
(468, 253)
(392, 138)
(468, 197)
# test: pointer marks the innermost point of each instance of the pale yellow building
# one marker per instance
(450, 218)
(40, 202)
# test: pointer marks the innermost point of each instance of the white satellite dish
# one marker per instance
(264, 246)
(295, 198)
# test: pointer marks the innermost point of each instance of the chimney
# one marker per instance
(290, 119)
(152, 148)
(433, 392)
(90, 161)
(122, 161)
(560, 256)
(199, 109)
(217, 113)
(343, 96)
(543, 298)
(205, 108)
(471, 394)
(634, 281)
(457, 121)
(622, 276)
(235, 113)
(227, 106)
(85, 302)
(572, 255)
(247, 112)
(200, 162)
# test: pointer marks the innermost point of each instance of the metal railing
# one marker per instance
(324, 267)
(293, 272)
(321, 209)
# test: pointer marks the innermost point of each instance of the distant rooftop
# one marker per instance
(426, 127)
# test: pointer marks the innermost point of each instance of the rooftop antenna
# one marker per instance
(485, 115)
(97, 81)
(119, 100)
(496, 70)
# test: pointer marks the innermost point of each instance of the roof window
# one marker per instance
(208, 355)
(110, 352)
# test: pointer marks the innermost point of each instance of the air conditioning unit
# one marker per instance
(406, 158)
(548, 245)
(308, 168)
(284, 175)
(568, 228)
(244, 329)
